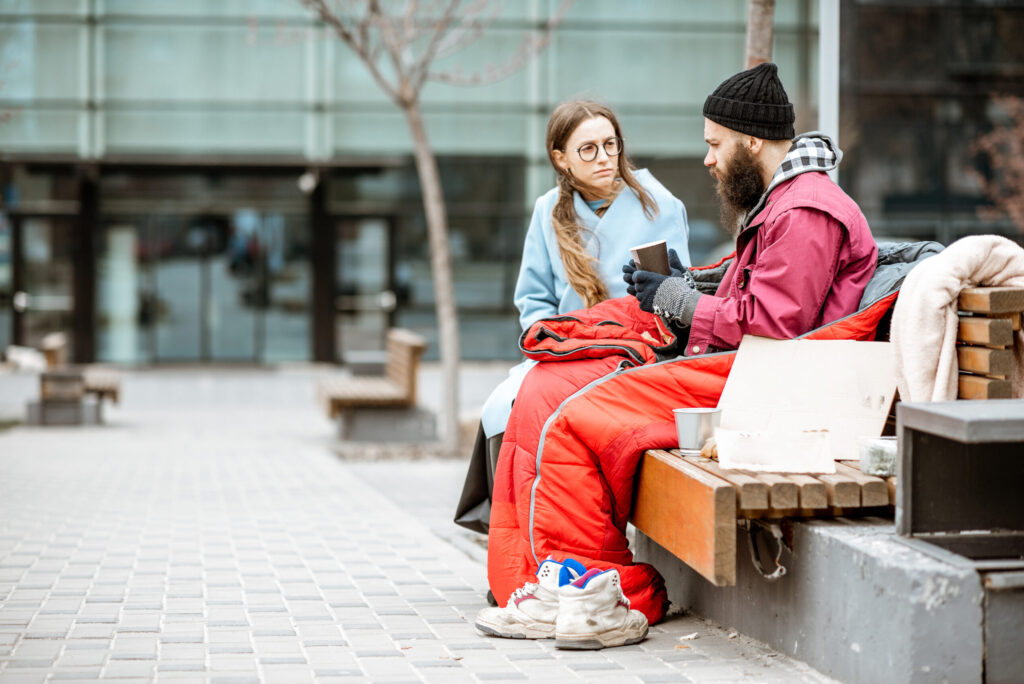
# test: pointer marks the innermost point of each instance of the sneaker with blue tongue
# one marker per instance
(532, 609)
(594, 613)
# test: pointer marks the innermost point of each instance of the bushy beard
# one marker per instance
(739, 189)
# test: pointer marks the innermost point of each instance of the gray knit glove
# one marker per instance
(676, 300)
(708, 279)
(672, 298)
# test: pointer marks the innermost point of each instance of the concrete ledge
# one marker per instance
(388, 425)
(856, 603)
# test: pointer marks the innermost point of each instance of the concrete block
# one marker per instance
(85, 411)
(1004, 623)
(388, 425)
(857, 604)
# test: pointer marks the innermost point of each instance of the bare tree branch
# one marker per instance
(530, 46)
(421, 68)
(409, 28)
(356, 39)
(438, 27)
(470, 27)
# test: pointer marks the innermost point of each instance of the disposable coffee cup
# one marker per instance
(652, 256)
(694, 426)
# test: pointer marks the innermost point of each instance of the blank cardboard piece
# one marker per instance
(803, 451)
(781, 395)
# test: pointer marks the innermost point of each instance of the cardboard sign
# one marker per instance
(798, 405)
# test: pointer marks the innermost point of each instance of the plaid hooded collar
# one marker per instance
(812, 151)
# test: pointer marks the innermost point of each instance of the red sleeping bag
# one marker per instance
(565, 474)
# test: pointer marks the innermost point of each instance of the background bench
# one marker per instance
(68, 393)
(102, 383)
(352, 400)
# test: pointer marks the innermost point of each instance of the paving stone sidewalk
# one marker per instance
(209, 532)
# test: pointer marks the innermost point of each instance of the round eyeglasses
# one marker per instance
(612, 147)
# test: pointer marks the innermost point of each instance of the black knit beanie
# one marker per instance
(753, 102)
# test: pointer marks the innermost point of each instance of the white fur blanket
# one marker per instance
(924, 321)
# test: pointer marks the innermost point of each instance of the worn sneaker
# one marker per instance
(594, 613)
(531, 610)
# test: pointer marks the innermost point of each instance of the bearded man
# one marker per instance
(804, 252)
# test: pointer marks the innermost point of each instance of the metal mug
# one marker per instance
(694, 426)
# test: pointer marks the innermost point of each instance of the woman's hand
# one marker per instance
(628, 269)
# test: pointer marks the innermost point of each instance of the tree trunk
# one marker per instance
(760, 30)
(441, 270)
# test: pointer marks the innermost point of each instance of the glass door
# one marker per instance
(198, 267)
(42, 299)
(365, 299)
(180, 288)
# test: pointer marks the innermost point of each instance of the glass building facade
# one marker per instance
(222, 180)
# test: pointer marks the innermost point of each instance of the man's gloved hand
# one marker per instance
(707, 280)
(674, 299)
(645, 286)
(676, 268)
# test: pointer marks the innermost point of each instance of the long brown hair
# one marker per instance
(578, 263)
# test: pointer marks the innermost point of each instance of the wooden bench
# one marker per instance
(102, 383)
(690, 506)
(54, 347)
(395, 389)
(989, 317)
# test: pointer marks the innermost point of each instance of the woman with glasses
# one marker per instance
(583, 228)
(580, 235)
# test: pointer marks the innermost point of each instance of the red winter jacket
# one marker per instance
(564, 482)
(804, 259)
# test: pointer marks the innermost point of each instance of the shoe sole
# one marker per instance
(594, 642)
(525, 631)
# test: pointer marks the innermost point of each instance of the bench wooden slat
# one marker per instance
(690, 512)
(892, 484)
(989, 332)
(783, 493)
(1014, 319)
(984, 361)
(979, 387)
(991, 299)
(873, 491)
(813, 494)
(843, 491)
(751, 493)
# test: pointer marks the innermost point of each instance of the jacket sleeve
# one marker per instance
(782, 294)
(535, 294)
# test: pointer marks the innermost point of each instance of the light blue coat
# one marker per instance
(543, 290)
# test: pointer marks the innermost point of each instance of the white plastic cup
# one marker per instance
(694, 426)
